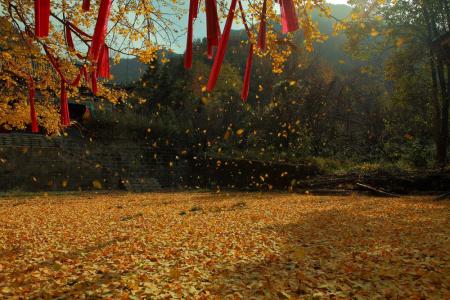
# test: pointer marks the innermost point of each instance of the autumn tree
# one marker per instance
(134, 28)
(18, 61)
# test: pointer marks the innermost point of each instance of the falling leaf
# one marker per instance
(97, 184)
(399, 42)
(227, 135)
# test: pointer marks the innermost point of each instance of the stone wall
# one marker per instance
(35, 162)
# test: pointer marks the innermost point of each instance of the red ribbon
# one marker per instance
(100, 30)
(262, 28)
(103, 63)
(218, 60)
(77, 80)
(86, 5)
(289, 21)
(42, 17)
(248, 65)
(31, 93)
(65, 118)
(248, 70)
(212, 26)
(193, 10)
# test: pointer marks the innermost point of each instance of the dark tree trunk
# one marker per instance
(438, 80)
(444, 123)
(443, 132)
(435, 98)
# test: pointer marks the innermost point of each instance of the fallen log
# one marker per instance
(442, 197)
(376, 191)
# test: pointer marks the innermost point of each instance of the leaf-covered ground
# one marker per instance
(201, 245)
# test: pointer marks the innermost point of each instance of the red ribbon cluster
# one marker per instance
(98, 53)
(212, 29)
(98, 38)
(289, 23)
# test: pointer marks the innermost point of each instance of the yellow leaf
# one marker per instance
(97, 184)
(299, 253)
(204, 100)
(399, 42)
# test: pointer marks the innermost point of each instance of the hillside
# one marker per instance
(130, 70)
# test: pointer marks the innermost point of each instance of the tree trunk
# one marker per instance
(443, 132)
(444, 123)
(435, 99)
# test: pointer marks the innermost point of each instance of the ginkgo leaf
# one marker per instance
(152, 245)
(97, 184)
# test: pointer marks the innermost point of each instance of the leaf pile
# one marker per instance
(201, 245)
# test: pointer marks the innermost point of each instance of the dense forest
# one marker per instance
(338, 106)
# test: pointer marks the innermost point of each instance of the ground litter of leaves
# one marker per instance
(206, 245)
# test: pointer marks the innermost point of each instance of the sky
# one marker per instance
(200, 26)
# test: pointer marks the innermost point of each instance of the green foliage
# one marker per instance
(396, 38)
(326, 109)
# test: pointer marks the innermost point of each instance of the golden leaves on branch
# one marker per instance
(280, 46)
(134, 28)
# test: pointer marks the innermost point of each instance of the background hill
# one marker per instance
(130, 69)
